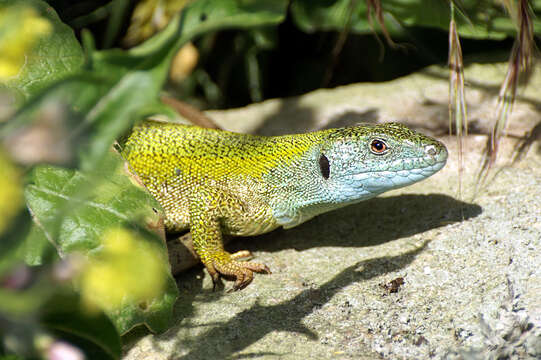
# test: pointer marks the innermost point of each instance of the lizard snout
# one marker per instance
(436, 151)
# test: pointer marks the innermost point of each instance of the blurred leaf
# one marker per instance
(35, 249)
(14, 221)
(92, 332)
(21, 303)
(74, 209)
(127, 270)
(51, 51)
(156, 315)
(13, 241)
(480, 20)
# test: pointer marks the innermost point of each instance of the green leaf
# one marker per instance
(22, 303)
(481, 19)
(25, 242)
(35, 249)
(51, 58)
(152, 314)
(74, 209)
(52, 308)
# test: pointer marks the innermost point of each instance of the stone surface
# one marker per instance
(471, 264)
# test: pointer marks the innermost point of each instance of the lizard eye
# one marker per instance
(378, 147)
(324, 166)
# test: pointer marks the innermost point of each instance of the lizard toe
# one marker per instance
(224, 264)
(214, 274)
(243, 279)
(257, 267)
(242, 271)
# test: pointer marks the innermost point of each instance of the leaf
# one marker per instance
(52, 308)
(35, 249)
(51, 57)
(75, 209)
(23, 303)
(14, 221)
(152, 314)
(10, 357)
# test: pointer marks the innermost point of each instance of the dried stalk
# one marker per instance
(457, 99)
(518, 72)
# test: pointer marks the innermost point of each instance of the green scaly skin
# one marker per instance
(215, 182)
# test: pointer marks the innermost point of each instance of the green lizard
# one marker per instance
(216, 182)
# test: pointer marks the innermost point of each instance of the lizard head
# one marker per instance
(352, 164)
(364, 161)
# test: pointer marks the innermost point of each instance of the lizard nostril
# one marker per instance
(431, 150)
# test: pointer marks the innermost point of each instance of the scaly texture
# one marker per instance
(215, 182)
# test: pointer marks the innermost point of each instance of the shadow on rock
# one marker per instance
(368, 223)
(251, 325)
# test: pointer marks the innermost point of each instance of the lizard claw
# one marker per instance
(245, 277)
(214, 275)
(242, 271)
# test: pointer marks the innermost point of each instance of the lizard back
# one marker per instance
(182, 164)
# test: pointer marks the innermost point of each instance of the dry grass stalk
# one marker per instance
(339, 45)
(375, 6)
(518, 72)
(457, 100)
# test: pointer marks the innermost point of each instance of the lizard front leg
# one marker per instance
(207, 241)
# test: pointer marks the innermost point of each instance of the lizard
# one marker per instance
(214, 182)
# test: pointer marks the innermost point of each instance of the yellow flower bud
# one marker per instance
(20, 29)
(127, 270)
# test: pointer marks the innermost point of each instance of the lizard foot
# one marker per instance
(225, 264)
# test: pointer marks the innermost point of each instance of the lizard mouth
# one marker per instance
(399, 173)
(405, 167)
